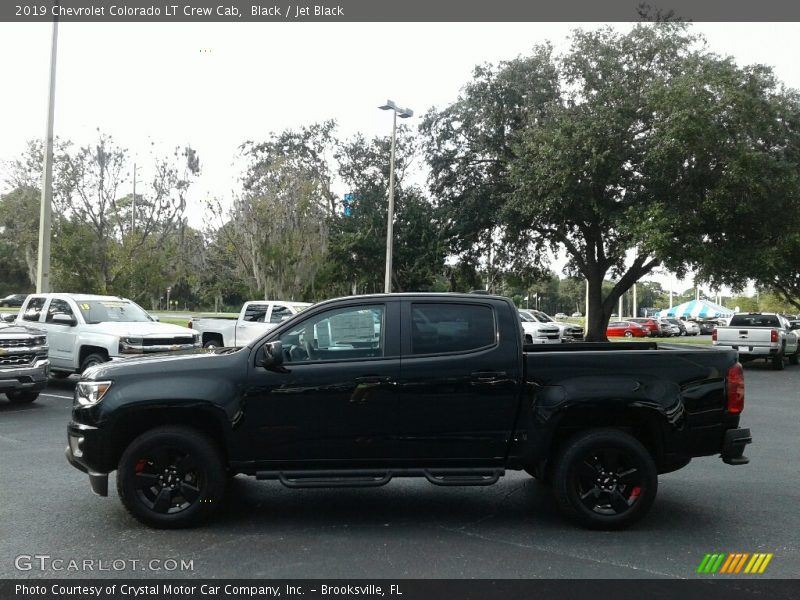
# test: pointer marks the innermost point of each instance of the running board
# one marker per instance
(376, 478)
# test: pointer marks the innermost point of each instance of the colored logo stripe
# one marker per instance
(733, 563)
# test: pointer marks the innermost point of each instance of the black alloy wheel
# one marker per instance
(171, 477)
(605, 479)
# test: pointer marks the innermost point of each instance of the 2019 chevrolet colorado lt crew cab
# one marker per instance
(444, 389)
(23, 362)
(84, 330)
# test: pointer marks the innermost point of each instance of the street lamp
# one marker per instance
(404, 114)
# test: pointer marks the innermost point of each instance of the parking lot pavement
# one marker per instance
(409, 528)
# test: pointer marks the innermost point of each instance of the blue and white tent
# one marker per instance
(701, 309)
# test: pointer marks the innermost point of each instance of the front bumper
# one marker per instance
(31, 378)
(84, 452)
(733, 446)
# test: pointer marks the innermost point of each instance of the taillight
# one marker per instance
(773, 336)
(714, 334)
(735, 383)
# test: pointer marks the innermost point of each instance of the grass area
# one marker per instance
(181, 322)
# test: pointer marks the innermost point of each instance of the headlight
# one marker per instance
(89, 393)
(130, 344)
(40, 341)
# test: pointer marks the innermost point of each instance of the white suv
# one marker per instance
(84, 330)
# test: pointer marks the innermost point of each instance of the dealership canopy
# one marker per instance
(697, 308)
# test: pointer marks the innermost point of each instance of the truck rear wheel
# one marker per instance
(605, 479)
(777, 362)
(171, 477)
(17, 397)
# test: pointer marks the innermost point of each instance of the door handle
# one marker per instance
(487, 375)
(374, 380)
(365, 385)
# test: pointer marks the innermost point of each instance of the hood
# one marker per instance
(9, 329)
(196, 360)
(144, 329)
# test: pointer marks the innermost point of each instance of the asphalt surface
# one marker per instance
(409, 528)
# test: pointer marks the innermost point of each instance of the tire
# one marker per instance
(794, 359)
(59, 374)
(628, 334)
(777, 362)
(21, 397)
(605, 479)
(194, 471)
(92, 360)
(212, 344)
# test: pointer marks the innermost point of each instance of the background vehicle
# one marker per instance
(255, 319)
(561, 316)
(651, 325)
(446, 391)
(536, 332)
(626, 329)
(13, 300)
(84, 330)
(568, 332)
(577, 314)
(676, 323)
(707, 326)
(759, 335)
(23, 362)
(692, 328)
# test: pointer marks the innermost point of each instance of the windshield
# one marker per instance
(526, 318)
(542, 317)
(117, 311)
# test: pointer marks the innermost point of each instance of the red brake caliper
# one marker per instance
(635, 491)
(140, 465)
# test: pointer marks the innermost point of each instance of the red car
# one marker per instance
(650, 324)
(626, 329)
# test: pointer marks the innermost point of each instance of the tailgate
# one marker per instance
(745, 336)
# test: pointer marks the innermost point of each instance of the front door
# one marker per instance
(332, 401)
(60, 336)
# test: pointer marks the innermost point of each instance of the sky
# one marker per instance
(217, 85)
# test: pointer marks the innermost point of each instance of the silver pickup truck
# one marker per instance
(23, 362)
(255, 319)
(760, 335)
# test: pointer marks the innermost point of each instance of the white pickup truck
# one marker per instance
(760, 335)
(255, 319)
(84, 330)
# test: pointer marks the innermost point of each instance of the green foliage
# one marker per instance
(641, 141)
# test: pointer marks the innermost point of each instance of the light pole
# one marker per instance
(45, 214)
(404, 114)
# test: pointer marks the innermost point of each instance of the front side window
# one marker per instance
(279, 314)
(443, 328)
(34, 309)
(58, 307)
(354, 332)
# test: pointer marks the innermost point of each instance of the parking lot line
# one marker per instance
(55, 396)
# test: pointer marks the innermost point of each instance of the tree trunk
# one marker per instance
(599, 313)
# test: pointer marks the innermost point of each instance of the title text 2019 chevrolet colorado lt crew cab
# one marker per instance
(358, 390)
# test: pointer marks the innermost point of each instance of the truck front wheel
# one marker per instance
(605, 479)
(17, 397)
(171, 477)
(92, 360)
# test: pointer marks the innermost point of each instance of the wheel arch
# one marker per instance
(134, 423)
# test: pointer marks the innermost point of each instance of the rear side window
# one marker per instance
(34, 309)
(256, 313)
(755, 321)
(443, 328)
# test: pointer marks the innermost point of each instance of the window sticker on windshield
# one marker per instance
(84, 306)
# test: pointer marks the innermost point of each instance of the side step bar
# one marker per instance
(376, 478)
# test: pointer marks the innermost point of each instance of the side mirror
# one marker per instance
(62, 319)
(155, 318)
(270, 355)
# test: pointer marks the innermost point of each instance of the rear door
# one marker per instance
(459, 385)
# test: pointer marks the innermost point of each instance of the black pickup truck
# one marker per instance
(358, 390)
